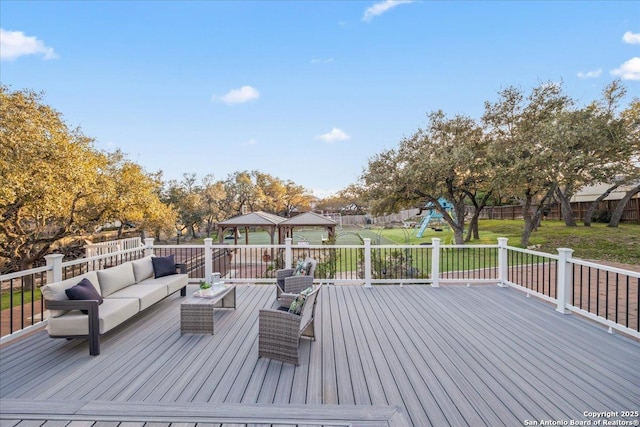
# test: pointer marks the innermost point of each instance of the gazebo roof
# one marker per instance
(309, 218)
(253, 219)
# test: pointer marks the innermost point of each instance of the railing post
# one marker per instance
(288, 252)
(367, 262)
(435, 262)
(503, 261)
(208, 258)
(564, 281)
(148, 246)
(55, 262)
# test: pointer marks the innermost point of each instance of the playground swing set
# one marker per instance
(434, 218)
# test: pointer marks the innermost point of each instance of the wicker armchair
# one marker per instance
(294, 284)
(279, 331)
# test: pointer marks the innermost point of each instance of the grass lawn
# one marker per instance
(18, 298)
(597, 242)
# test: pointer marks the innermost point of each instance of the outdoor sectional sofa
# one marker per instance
(94, 303)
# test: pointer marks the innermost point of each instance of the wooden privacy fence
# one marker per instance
(631, 211)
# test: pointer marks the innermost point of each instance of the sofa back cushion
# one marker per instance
(56, 291)
(142, 269)
(115, 278)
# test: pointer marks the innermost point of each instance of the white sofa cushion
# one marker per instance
(111, 313)
(173, 282)
(55, 291)
(142, 269)
(115, 278)
(146, 294)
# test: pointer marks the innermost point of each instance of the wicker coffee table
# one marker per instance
(196, 313)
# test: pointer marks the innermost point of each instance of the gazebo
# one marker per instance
(308, 219)
(258, 219)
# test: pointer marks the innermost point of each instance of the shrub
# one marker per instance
(603, 216)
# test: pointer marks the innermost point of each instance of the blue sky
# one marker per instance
(307, 91)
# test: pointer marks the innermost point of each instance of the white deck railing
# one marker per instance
(111, 247)
(605, 294)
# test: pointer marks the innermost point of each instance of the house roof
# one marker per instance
(309, 218)
(591, 193)
(254, 219)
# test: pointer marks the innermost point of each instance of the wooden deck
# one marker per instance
(411, 355)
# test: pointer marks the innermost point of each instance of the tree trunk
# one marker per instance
(531, 218)
(528, 221)
(473, 223)
(592, 207)
(458, 232)
(458, 236)
(619, 210)
(473, 227)
(28, 284)
(565, 205)
(457, 224)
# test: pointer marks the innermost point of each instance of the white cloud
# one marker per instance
(14, 44)
(590, 74)
(238, 96)
(336, 135)
(249, 143)
(630, 70)
(382, 7)
(631, 38)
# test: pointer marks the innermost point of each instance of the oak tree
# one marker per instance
(51, 179)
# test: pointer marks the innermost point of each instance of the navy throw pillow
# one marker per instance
(83, 291)
(164, 266)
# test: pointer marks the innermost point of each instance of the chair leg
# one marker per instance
(309, 332)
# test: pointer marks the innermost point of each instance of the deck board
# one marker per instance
(453, 355)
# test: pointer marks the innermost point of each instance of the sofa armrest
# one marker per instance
(91, 306)
(70, 304)
(181, 268)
